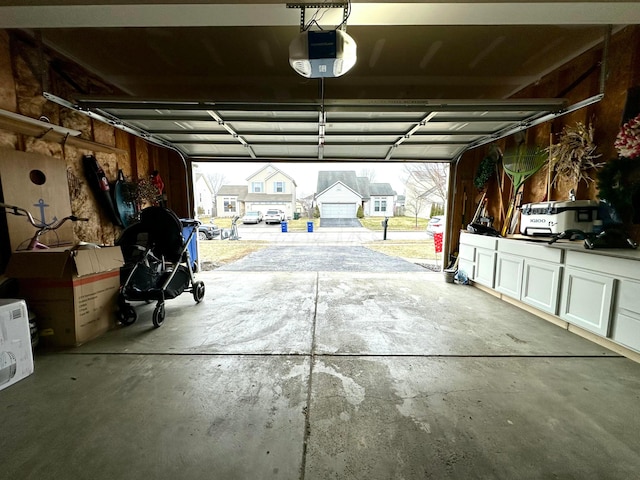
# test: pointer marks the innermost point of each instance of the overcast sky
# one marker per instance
(306, 174)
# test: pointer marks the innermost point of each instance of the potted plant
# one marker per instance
(619, 180)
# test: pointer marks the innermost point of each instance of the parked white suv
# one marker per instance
(274, 216)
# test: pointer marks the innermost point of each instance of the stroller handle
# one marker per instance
(189, 222)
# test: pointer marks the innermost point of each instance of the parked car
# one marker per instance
(436, 225)
(252, 217)
(274, 216)
(208, 232)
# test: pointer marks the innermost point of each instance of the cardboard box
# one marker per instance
(73, 292)
(38, 184)
(16, 357)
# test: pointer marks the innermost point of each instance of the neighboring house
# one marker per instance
(230, 200)
(340, 193)
(204, 195)
(268, 188)
(421, 195)
(381, 203)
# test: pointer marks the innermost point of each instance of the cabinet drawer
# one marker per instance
(481, 241)
(629, 295)
(531, 250)
(467, 252)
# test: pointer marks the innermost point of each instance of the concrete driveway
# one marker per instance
(373, 370)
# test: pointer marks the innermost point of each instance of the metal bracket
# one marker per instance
(304, 6)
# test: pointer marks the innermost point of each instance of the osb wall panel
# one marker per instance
(576, 81)
(23, 77)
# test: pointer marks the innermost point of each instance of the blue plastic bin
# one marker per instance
(310, 227)
(193, 244)
(283, 226)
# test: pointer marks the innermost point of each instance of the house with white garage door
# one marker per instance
(341, 192)
(268, 188)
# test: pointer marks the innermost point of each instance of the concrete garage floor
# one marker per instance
(311, 373)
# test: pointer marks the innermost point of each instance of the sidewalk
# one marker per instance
(325, 235)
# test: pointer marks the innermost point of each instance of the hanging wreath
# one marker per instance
(486, 169)
(627, 142)
(574, 154)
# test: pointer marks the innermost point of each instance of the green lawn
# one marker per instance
(403, 224)
(222, 252)
(406, 249)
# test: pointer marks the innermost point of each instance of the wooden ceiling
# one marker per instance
(216, 52)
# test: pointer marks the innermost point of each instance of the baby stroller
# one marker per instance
(157, 263)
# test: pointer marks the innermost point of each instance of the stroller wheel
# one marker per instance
(127, 315)
(158, 315)
(198, 291)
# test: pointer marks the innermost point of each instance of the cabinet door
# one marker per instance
(509, 274)
(540, 282)
(485, 267)
(587, 300)
(625, 326)
(467, 267)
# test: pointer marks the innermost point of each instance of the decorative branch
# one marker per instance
(574, 154)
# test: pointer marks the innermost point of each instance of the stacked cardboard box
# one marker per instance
(73, 292)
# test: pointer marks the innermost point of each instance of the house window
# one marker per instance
(379, 205)
(229, 204)
(256, 187)
(278, 187)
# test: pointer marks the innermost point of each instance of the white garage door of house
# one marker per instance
(338, 210)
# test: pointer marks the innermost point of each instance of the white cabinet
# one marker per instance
(625, 327)
(467, 259)
(509, 274)
(541, 285)
(597, 290)
(478, 258)
(587, 299)
(485, 267)
(530, 272)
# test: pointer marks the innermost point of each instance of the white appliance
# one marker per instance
(323, 53)
(16, 357)
(549, 218)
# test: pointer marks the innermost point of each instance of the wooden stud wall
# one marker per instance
(23, 78)
(583, 76)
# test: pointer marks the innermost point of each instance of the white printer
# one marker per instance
(550, 218)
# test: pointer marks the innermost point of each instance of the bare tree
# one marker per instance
(426, 185)
(216, 180)
(369, 173)
(429, 177)
(307, 204)
(414, 205)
